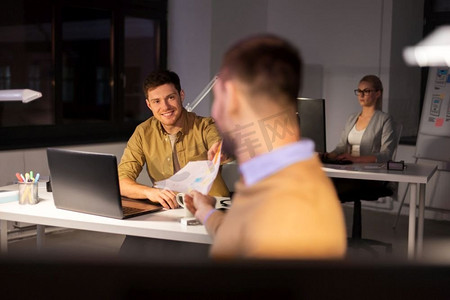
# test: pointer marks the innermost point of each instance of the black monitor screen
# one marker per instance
(311, 113)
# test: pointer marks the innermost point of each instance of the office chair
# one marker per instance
(367, 193)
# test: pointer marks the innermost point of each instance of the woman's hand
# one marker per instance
(357, 159)
(330, 155)
(346, 156)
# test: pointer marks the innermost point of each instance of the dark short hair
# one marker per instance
(161, 77)
(267, 64)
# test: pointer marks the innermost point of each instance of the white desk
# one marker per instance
(416, 175)
(166, 224)
(161, 225)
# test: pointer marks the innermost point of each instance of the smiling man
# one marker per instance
(166, 142)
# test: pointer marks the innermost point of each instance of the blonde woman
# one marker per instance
(368, 135)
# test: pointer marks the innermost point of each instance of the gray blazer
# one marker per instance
(379, 138)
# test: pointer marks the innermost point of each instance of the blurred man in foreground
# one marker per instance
(284, 206)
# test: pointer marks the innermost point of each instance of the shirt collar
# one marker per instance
(269, 163)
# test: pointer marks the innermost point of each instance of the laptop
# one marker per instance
(88, 182)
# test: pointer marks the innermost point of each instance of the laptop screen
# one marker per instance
(85, 182)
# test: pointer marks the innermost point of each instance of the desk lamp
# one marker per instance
(24, 95)
(433, 51)
(209, 86)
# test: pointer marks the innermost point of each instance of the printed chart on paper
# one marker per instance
(195, 175)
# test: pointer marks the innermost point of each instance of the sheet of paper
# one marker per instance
(195, 175)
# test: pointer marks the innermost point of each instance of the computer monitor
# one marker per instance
(311, 113)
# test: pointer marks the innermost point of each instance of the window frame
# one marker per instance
(115, 130)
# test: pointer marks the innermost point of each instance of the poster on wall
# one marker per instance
(435, 118)
(433, 140)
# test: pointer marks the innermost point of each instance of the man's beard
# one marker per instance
(228, 144)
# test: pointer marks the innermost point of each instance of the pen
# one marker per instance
(36, 179)
(31, 176)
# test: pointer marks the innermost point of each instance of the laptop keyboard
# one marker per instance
(127, 210)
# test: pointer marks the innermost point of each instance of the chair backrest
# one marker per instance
(398, 132)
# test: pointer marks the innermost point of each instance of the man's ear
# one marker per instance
(182, 95)
(148, 104)
(232, 98)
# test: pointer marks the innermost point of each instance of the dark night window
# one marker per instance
(87, 58)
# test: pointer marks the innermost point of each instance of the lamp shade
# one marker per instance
(24, 95)
(433, 51)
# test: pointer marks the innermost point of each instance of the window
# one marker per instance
(86, 65)
(89, 60)
(25, 62)
(141, 39)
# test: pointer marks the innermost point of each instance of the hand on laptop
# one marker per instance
(199, 205)
(345, 156)
(358, 159)
(326, 155)
(165, 197)
(131, 189)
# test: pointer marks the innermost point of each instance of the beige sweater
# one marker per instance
(292, 214)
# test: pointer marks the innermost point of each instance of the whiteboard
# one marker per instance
(433, 140)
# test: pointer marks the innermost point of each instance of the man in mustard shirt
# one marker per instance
(166, 142)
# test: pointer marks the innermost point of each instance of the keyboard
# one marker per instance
(336, 161)
(127, 210)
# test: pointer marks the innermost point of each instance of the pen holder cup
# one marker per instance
(28, 193)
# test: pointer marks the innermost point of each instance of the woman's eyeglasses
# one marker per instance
(363, 92)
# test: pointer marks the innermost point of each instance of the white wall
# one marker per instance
(340, 41)
(233, 20)
(189, 51)
(35, 160)
(347, 39)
